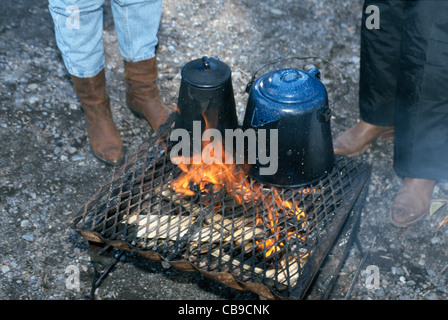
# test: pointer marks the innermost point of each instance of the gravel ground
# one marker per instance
(47, 171)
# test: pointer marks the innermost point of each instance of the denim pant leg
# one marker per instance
(137, 23)
(79, 31)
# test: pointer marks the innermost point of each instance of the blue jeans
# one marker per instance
(79, 29)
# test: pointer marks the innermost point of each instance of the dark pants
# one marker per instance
(404, 82)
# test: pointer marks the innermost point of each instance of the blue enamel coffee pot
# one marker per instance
(295, 103)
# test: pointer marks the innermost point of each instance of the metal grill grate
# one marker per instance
(249, 236)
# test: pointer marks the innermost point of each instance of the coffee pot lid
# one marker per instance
(206, 72)
(290, 85)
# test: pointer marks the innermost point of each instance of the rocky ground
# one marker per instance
(47, 171)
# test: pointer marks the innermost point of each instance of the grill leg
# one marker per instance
(359, 246)
(102, 262)
(364, 255)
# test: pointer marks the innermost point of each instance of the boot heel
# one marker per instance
(137, 114)
(388, 135)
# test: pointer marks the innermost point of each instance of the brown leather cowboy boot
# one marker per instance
(142, 92)
(105, 140)
(357, 139)
(412, 202)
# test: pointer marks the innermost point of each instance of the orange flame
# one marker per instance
(232, 179)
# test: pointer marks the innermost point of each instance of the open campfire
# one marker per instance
(215, 219)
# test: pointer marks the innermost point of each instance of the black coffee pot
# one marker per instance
(206, 95)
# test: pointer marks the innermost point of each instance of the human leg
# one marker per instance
(378, 69)
(78, 30)
(137, 22)
(104, 138)
(421, 143)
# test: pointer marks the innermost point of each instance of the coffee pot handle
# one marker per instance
(314, 72)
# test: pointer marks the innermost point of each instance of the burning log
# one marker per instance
(215, 229)
(159, 226)
(287, 272)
